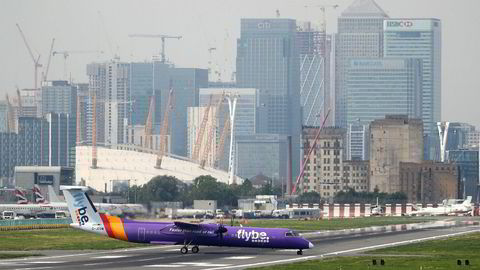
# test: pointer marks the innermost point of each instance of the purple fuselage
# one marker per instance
(210, 235)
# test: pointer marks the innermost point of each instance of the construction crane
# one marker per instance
(66, 54)
(94, 131)
(310, 151)
(149, 124)
(36, 60)
(161, 37)
(10, 116)
(201, 130)
(163, 130)
(221, 143)
(323, 9)
(45, 74)
(211, 131)
(20, 106)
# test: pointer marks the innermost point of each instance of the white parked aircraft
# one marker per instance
(55, 207)
(448, 207)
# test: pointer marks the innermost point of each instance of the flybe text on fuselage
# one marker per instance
(81, 212)
(253, 236)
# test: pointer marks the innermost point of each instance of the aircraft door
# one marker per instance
(141, 234)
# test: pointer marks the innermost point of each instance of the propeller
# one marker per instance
(221, 230)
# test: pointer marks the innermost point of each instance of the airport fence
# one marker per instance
(34, 224)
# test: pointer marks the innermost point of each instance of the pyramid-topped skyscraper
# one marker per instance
(364, 8)
(360, 35)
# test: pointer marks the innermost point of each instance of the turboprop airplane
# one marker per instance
(86, 217)
(445, 209)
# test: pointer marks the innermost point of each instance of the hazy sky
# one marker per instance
(77, 25)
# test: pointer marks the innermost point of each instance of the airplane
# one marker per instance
(86, 217)
(54, 207)
(448, 207)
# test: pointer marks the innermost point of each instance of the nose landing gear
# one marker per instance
(300, 252)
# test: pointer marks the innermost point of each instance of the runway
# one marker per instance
(216, 258)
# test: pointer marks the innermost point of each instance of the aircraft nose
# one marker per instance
(310, 245)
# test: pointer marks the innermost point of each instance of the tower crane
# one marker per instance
(161, 37)
(164, 129)
(323, 9)
(10, 116)
(36, 60)
(45, 74)
(211, 131)
(66, 54)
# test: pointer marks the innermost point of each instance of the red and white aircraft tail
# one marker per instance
(39, 198)
(21, 196)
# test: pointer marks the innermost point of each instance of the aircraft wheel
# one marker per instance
(184, 250)
(195, 249)
(300, 252)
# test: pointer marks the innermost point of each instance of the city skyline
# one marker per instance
(80, 18)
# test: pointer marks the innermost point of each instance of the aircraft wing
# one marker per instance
(187, 226)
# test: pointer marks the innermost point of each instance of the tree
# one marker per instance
(161, 188)
(206, 187)
(308, 197)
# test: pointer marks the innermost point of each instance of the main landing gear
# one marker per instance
(184, 249)
(299, 252)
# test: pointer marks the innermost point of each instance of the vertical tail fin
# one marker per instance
(38, 194)
(81, 208)
(52, 197)
(21, 196)
(468, 201)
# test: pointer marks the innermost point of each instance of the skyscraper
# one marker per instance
(360, 35)
(268, 60)
(313, 74)
(377, 87)
(419, 38)
(3, 116)
(60, 97)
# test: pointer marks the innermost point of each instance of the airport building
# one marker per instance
(394, 139)
(27, 176)
(428, 181)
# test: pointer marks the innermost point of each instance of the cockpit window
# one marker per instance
(291, 234)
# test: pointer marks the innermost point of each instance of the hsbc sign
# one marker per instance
(406, 24)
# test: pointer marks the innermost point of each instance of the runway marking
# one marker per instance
(44, 262)
(173, 249)
(239, 257)
(93, 252)
(164, 265)
(151, 259)
(204, 264)
(290, 250)
(345, 251)
(110, 257)
(99, 263)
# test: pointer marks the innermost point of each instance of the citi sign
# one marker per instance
(403, 24)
